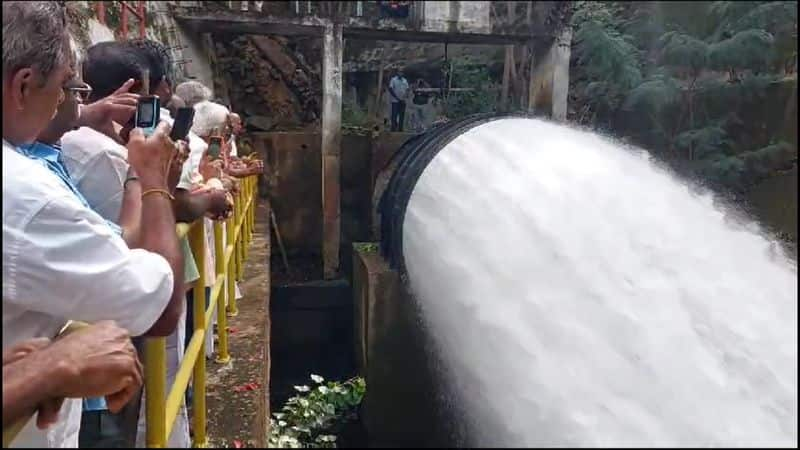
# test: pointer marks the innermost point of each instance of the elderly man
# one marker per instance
(236, 129)
(193, 92)
(61, 260)
(100, 164)
(96, 163)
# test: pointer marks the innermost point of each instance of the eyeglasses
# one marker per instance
(81, 92)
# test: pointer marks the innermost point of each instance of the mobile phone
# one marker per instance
(183, 123)
(214, 147)
(148, 111)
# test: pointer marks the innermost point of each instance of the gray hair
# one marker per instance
(35, 34)
(193, 92)
(209, 116)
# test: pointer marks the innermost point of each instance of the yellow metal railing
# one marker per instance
(162, 402)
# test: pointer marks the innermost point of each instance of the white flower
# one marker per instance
(317, 379)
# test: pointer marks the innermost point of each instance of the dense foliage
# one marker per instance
(482, 96)
(708, 86)
(313, 418)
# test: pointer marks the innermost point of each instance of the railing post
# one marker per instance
(197, 240)
(255, 199)
(222, 320)
(142, 19)
(247, 224)
(155, 381)
(101, 12)
(249, 213)
(230, 226)
(123, 18)
(240, 234)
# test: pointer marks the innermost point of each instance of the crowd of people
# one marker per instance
(90, 206)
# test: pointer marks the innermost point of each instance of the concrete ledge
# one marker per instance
(241, 414)
(401, 406)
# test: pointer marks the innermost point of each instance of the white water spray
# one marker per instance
(580, 295)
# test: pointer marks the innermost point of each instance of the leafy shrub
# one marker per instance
(312, 418)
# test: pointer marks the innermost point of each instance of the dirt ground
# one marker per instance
(238, 392)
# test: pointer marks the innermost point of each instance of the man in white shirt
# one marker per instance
(108, 64)
(61, 260)
(236, 130)
(398, 94)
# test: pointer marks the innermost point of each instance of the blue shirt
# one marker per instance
(50, 156)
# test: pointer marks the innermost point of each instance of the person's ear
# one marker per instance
(21, 83)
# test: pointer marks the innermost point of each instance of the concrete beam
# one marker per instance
(244, 22)
(405, 35)
(333, 46)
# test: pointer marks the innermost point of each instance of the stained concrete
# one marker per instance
(468, 22)
(244, 415)
(333, 50)
(295, 188)
(405, 403)
(311, 334)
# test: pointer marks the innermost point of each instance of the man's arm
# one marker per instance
(97, 361)
(28, 381)
(150, 158)
(130, 214)
(191, 206)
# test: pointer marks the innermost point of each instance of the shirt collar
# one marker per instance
(43, 151)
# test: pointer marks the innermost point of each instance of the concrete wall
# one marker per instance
(402, 406)
(356, 198)
(451, 17)
(187, 48)
(293, 161)
(774, 203)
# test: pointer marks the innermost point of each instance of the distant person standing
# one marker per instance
(398, 90)
(419, 103)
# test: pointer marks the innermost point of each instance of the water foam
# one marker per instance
(580, 295)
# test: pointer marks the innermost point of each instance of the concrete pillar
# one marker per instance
(561, 55)
(507, 65)
(333, 45)
(533, 84)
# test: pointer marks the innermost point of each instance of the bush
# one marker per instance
(313, 418)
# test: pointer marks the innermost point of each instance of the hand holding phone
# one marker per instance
(184, 119)
(148, 112)
(214, 145)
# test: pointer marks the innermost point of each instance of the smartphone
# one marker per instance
(214, 147)
(148, 111)
(183, 123)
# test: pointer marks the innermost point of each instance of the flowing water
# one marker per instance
(578, 294)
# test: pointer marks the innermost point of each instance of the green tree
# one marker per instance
(684, 79)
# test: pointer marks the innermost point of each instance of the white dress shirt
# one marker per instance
(232, 143)
(61, 262)
(98, 166)
(192, 166)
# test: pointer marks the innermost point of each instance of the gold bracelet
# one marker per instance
(158, 191)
